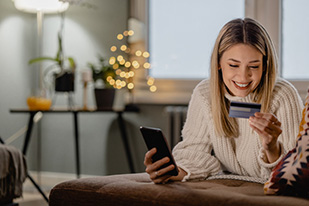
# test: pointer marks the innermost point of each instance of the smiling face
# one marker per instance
(242, 69)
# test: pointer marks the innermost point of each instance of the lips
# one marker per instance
(241, 85)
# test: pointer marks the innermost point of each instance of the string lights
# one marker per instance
(126, 62)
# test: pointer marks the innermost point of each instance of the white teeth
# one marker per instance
(241, 85)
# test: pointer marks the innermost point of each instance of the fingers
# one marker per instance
(268, 117)
(148, 156)
(154, 167)
(163, 171)
(267, 126)
(267, 133)
(156, 174)
(160, 177)
(266, 123)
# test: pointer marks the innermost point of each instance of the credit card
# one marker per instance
(243, 109)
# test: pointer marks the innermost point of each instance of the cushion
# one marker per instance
(138, 190)
(291, 175)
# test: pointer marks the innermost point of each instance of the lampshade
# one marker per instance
(45, 6)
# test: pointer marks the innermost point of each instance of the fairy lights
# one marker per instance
(146, 54)
(150, 81)
(138, 53)
(146, 65)
(119, 36)
(112, 61)
(119, 58)
(130, 32)
(125, 64)
(113, 48)
(130, 86)
(115, 66)
(153, 88)
(123, 48)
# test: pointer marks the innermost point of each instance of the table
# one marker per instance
(75, 113)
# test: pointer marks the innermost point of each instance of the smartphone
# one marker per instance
(154, 137)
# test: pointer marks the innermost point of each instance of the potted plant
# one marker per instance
(65, 68)
(119, 71)
(104, 78)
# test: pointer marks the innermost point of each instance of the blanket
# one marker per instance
(13, 171)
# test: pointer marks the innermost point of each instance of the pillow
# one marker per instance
(291, 175)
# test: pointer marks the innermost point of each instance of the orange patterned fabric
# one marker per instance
(291, 175)
(304, 124)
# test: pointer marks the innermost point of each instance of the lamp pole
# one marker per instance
(40, 16)
(39, 7)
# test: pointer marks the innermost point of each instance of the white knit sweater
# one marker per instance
(242, 155)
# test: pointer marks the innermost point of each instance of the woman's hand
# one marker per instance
(159, 175)
(269, 128)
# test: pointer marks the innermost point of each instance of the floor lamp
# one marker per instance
(40, 7)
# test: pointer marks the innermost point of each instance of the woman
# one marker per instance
(244, 69)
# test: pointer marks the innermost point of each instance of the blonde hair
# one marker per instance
(246, 31)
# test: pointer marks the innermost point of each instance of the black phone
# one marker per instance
(154, 137)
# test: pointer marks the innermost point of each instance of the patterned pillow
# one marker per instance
(291, 175)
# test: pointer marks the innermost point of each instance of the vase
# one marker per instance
(65, 82)
(104, 98)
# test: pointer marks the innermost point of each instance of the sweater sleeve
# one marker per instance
(287, 106)
(193, 154)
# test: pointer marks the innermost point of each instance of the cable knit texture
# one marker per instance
(242, 155)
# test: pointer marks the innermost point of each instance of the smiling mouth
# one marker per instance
(242, 85)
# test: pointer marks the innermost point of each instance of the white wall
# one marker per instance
(87, 32)
(15, 75)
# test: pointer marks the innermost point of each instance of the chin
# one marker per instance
(242, 94)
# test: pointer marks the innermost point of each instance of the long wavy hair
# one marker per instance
(250, 32)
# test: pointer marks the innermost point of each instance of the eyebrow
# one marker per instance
(253, 61)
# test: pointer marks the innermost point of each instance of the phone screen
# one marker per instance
(154, 137)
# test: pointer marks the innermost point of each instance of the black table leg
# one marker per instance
(125, 141)
(37, 187)
(28, 134)
(76, 143)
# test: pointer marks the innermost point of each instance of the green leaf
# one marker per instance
(39, 59)
(59, 52)
(72, 63)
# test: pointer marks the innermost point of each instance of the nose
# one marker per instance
(245, 73)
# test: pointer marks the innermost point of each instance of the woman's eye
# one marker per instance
(254, 67)
(233, 65)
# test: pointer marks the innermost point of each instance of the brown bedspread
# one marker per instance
(137, 189)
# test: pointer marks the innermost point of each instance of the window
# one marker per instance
(178, 66)
(182, 34)
(295, 41)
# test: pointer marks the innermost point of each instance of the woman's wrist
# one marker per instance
(273, 153)
(180, 176)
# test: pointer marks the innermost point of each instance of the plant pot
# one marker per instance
(104, 98)
(65, 82)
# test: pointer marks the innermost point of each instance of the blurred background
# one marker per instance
(179, 36)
